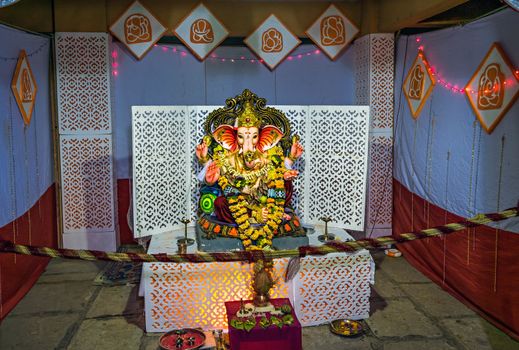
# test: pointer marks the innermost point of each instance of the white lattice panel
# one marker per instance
(298, 115)
(197, 116)
(333, 287)
(337, 152)
(362, 67)
(83, 83)
(381, 71)
(161, 168)
(374, 85)
(87, 183)
(344, 127)
(193, 295)
(380, 196)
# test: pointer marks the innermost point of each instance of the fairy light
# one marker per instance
(214, 57)
(115, 64)
(449, 85)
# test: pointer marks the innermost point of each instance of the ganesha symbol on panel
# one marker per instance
(137, 29)
(26, 86)
(417, 83)
(491, 88)
(201, 32)
(332, 31)
(271, 41)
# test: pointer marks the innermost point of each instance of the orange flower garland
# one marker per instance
(260, 238)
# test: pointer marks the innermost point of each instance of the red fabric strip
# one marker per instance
(19, 273)
(468, 272)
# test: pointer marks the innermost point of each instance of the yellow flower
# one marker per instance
(271, 223)
(244, 226)
(241, 219)
(223, 182)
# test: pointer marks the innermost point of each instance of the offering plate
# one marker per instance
(346, 328)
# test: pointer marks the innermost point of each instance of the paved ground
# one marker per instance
(65, 310)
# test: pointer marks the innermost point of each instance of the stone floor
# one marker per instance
(65, 310)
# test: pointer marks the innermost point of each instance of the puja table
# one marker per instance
(258, 338)
(191, 295)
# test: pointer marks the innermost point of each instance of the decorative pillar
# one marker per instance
(85, 136)
(374, 65)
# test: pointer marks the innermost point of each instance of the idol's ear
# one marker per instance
(225, 135)
(269, 136)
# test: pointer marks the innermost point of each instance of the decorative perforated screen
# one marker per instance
(333, 169)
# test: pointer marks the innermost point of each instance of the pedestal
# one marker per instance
(190, 295)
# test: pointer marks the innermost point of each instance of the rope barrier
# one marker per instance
(255, 255)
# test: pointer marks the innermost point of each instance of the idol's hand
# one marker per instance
(296, 151)
(201, 152)
(213, 174)
(290, 174)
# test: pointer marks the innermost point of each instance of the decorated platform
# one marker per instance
(251, 177)
(190, 295)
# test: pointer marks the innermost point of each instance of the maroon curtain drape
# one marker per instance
(18, 273)
(463, 263)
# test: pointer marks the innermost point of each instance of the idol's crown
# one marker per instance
(249, 110)
(248, 117)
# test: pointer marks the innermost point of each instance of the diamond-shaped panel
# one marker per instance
(332, 31)
(138, 29)
(493, 88)
(418, 84)
(272, 41)
(201, 32)
(24, 87)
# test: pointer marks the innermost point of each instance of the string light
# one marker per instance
(216, 58)
(29, 54)
(443, 82)
(115, 64)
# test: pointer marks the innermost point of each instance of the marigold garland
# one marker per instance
(251, 237)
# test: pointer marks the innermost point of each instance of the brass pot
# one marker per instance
(261, 300)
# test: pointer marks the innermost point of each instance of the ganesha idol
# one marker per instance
(247, 155)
